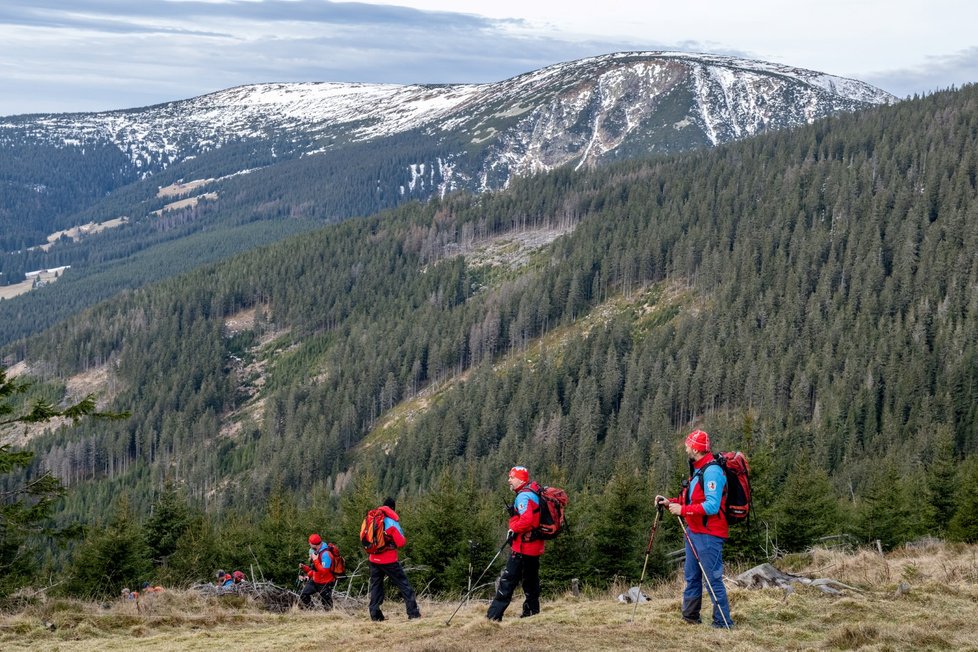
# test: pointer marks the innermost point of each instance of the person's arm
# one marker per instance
(714, 480)
(396, 534)
(526, 510)
(322, 561)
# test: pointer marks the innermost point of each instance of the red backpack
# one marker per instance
(552, 504)
(737, 505)
(337, 563)
(373, 538)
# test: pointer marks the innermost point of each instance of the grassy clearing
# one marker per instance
(936, 613)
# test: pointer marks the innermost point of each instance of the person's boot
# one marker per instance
(691, 611)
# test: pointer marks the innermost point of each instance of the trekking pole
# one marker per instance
(476, 585)
(706, 578)
(648, 551)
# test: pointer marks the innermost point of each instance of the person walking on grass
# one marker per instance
(384, 563)
(318, 575)
(524, 560)
(701, 506)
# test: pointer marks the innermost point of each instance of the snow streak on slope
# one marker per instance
(578, 112)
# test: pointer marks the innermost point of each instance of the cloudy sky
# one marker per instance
(88, 55)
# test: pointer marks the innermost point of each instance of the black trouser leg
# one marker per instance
(396, 572)
(326, 595)
(531, 585)
(376, 591)
(511, 576)
(324, 591)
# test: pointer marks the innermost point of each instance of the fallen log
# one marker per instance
(767, 576)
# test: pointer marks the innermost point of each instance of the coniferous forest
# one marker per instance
(809, 297)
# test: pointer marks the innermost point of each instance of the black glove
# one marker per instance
(510, 537)
(511, 509)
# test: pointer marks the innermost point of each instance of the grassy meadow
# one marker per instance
(923, 599)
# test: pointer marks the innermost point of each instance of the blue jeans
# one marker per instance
(710, 549)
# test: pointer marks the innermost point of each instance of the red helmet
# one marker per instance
(315, 540)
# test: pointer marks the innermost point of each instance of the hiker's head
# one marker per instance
(315, 540)
(220, 574)
(697, 444)
(518, 476)
(389, 502)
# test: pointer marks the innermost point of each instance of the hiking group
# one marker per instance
(716, 493)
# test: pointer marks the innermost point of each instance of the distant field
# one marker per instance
(176, 189)
(908, 600)
(11, 291)
(77, 232)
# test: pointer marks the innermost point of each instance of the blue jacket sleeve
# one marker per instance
(714, 481)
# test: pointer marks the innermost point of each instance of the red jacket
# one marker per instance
(703, 508)
(526, 520)
(392, 528)
(321, 571)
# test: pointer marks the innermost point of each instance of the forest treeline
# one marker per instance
(809, 296)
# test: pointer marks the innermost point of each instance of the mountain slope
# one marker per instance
(808, 294)
(580, 113)
(324, 152)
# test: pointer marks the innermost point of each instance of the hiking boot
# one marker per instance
(527, 614)
(692, 621)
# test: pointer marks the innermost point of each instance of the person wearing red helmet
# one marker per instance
(701, 505)
(319, 575)
(523, 565)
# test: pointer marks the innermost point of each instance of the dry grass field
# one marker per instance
(936, 609)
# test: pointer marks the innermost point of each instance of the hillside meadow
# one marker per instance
(907, 600)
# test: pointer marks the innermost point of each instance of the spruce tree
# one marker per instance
(964, 523)
(111, 558)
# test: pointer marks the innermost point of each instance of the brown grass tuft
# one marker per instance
(936, 614)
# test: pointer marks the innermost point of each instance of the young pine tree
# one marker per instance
(807, 508)
(111, 557)
(964, 523)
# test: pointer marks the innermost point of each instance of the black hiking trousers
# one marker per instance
(324, 591)
(520, 567)
(400, 580)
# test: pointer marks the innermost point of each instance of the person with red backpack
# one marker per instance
(701, 505)
(527, 546)
(383, 560)
(319, 576)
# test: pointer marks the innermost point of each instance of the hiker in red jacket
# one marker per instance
(524, 561)
(701, 506)
(319, 576)
(385, 563)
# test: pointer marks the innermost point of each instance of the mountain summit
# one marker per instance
(581, 112)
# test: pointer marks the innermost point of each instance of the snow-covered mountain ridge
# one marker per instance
(579, 112)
